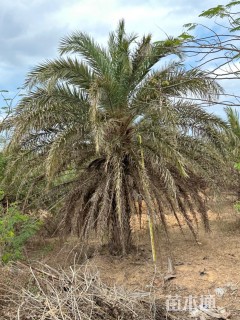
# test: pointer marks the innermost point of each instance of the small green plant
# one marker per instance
(237, 206)
(15, 229)
(237, 166)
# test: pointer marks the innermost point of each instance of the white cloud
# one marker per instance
(152, 16)
(30, 30)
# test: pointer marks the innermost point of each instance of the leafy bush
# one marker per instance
(15, 229)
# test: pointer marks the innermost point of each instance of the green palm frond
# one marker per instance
(176, 81)
(233, 136)
(75, 72)
(95, 56)
(233, 120)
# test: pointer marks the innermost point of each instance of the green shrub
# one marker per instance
(15, 229)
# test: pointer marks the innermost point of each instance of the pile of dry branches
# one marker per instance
(73, 295)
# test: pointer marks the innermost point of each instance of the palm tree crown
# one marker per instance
(120, 125)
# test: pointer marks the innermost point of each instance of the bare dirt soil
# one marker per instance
(209, 267)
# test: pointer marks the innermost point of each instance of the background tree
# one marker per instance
(216, 48)
(105, 126)
(234, 148)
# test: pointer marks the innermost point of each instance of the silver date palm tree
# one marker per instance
(120, 124)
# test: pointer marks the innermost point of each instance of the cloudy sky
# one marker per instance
(30, 30)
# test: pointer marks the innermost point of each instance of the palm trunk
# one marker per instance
(120, 240)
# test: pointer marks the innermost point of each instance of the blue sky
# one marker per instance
(30, 30)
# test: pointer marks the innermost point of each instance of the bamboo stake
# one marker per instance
(150, 224)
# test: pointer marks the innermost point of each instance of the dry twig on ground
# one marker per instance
(77, 294)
